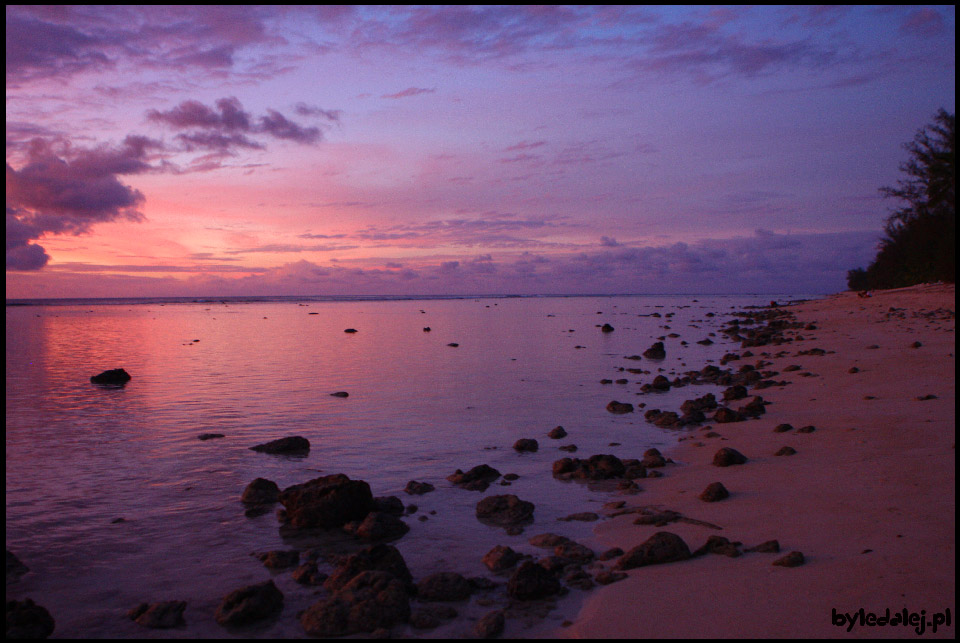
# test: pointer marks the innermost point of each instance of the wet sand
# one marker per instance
(869, 497)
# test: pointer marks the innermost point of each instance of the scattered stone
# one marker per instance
(308, 574)
(574, 551)
(379, 557)
(608, 577)
(924, 398)
(476, 479)
(715, 491)
(662, 547)
(428, 617)
(611, 553)
(786, 451)
(292, 445)
(504, 511)
(453, 344)
(15, 568)
(249, 604)
(340, 394)
(162, 615)
(27, 620)
(113, 377)
(329, 501)
(619, 408)
(583, 516)
(415, 488)
(557, 433)
(279, 559)
(793, 559)
(209, 436)
(719, 545)
(782, 428)
(656, 351)
(350, 330)
(444, 586)
(526, 444)
(726, 457)
(371, 601)
(548, 541)
(597, 467)
(806, 429)
(607, 328)
(260, 492)
(725, 415)
(916, 345)
(768, 547)
(531, 581)
(501, 558)
(652, 459)
(569, 448)
(853, 369)
(490, 626)
(377, 525)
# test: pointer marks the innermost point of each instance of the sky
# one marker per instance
(323, 150)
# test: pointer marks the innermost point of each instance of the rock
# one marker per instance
(806, 429)
(619, 408)
(782, 428)
(581, 516)
(725, 415)
(607, 577)
(328, 501)
(505, 511)
(378, 526)
(793, 559)
(250, 604)
(574, 551)
(428, 617)
(526, 444)
(727, 456)
(662, 547)
(378, 557)
(557, 433)
(453, 344)
(548, 541)
(768, 547)
(292, 445)
(308, 574)
(209, 436)
(340, 394)
(736, 392)
(27, 620)
(490, 626)
(15, 568)
(372, 600)
(597, 467)
(415, 488)
(163, 615)
(279, 559)
(613, 552)
(501, 558)
(114, 377)
(652, 459)
(444, 586)
(476, 479)
(389, 505)
(607, 328)
(660, 383)
(350, 330)
(786, 451)
(715, 491)
(569, 448)
(260, 492)
(532, 581)
(576, 577)
(719, 545)
(656, 351)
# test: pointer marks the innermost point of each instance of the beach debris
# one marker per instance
(793, 559)
(490, 626)
(162, 615)
(526, 444)
(767, 547)
(714, 492)
(291, 445)
(662, 547)
(260, 492)
(372, 600)
(719, 545)
(113, 377)
(726, 457)
(444, 586)
(415, 488)
(557, 433)
(249, 604)
(27, 620)
(501, 558)
(328, 501)
(619, 408)
(505, 510)
(476, 479)
(279, 558)
(532, 581)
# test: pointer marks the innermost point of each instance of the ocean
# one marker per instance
(112, 500)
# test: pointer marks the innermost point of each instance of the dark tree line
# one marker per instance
(921, 235)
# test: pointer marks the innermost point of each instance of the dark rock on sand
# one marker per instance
(581, 516)
(350, 330)
(476, 479)
(719, 545)
(607, 328)
(597, 467)
(725, 415)
(505, 511)
(726, 457)
(328, 501)
(783, 428)
(653, 459)
(660, 383)
(547, 541)
(806, 429)
(574, 551)
(415, 488)
(557, 433)
(768, 547)
(292, 445)
(793, 559)
(444, 586)
(113, 377)
(501, 558)
(27, 620)
(662, 547)
(608, 577)
(378, 557)
(736, 392)
(531, 581)
(370, 601)
(526, 444)
(786, 451)
(260, 492)
(490, 626)
(715, 491)
(250, 604)
(619, 408)
(162, 615)
(655, 352)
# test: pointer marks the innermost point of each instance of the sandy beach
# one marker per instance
(868, 498)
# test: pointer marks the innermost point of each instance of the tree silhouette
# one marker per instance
(921, 236)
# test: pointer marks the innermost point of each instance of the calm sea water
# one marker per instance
(79, 456)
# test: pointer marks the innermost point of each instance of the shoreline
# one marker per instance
(869, 497)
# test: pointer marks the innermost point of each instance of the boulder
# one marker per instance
(378, 526)
(726, 457)
(619, 408)
(531, 581)
(249, 604)
(793, 559)
(292, 445)
(328, 501)
(113, 377)
(444, 586)
(768, 547)
(476, 479)
(372, 600)
(526, 444)
(500, 558)
(715, 491)
(596, 467)
(279, 559)
(505, 511)
(490, 626)
(27, 620)
(719, 545)
(725, 414)
(162, 615)
(662, 547)
(557, 433)
(260, 492)
(415, 488)
(655, 352)
(378, 557)
(607, 328)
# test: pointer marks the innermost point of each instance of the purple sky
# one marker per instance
(451, 150)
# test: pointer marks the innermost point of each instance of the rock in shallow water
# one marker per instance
(162, 615)
(328, 501)
(113, 377)
(250, 604)
(292, 445)
(505, 511)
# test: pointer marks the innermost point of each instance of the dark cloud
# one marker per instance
(277, 125)
(69, 191)
(312, 110)
(37, 49)
(410, 91)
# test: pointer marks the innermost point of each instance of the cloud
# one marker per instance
(68, 192)
(923, 23)
(304, 109)
(410, 91)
